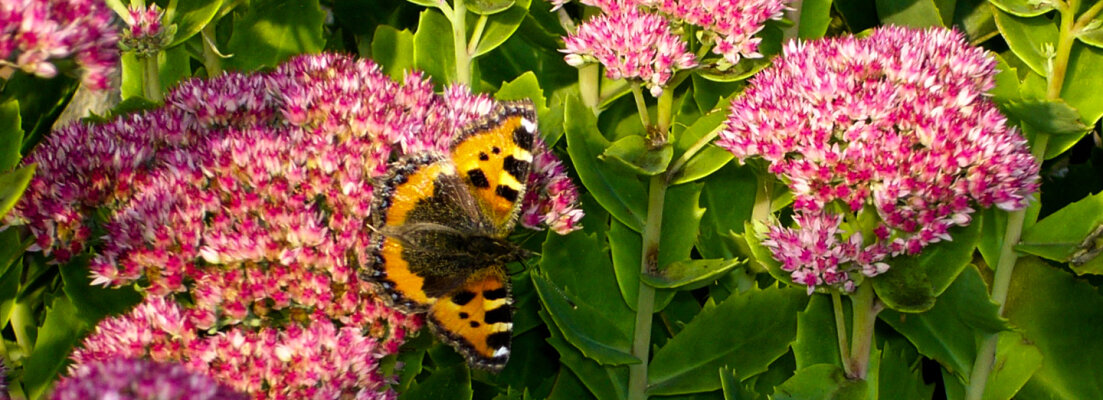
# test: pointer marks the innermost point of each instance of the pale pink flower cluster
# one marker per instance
(896, 124)
(34, 33)
(728, 28)
(313, 359)
(139, 379)
(145, 34)
(630, 45)
(555, 204)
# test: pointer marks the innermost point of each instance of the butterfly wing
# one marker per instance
(476, 319)
(493, 157)
(422, 213)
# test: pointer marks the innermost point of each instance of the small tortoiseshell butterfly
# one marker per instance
(440, 226)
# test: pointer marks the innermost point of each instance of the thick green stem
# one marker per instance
(641, 106)
(865, 309)
(645, 303)
(665, 109)
(840, 330)
(459, 43)
(589, 78)
(1005, 266)
(22, 322)
(793, 15)
(151, 79)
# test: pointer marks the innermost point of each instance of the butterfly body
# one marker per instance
(440, 225)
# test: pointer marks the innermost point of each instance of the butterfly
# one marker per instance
(440, 225)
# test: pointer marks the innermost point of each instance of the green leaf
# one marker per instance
(1023, 8)
(10, 252)
(746, 332)
(433, 51)
(1059, 314)
(1083, 83)
(746, 68)
(815, 17)
(619, 193)
(584, 327)
(1007, 82)
(691, 274)
(393, 50)
(271, 31)
(1016, 361)
(605, 383)
(429, 3)
(453, 383)
(94, 302)
(910, 13)
(817, 340)
(1092, 37)
(488, 7)
(899, 374)
(632, 153)
(12, 185)
(710, 158)
(974, 17)
(11, 135)
(501, 26)
(1027, 37)
(821, 381)
(1054, 117)
(947, 332)
(1071, 234)
(904, 287)
(60, 332)
(728, 198)
(943, 261)
(190, 17)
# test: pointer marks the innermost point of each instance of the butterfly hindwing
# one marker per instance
(477, 319)
(493, 156)
(422, 208)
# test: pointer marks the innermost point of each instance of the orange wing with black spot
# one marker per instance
(493, 156)
(477, 319)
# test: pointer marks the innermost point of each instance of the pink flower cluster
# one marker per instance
(145, 35)
(139, 379)
(316, 359)
(632, 40)
(35, 32)
(896, 124)
(248, 195)
(631, 45)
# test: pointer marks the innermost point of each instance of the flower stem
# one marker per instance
(1005, 266)
(840, 329)
(793, 15)
(645, 302)
(477, 35)
(459, 42)
(151, 79)
(865, 309)
(641, 106)
(589, 84)
(676, 167)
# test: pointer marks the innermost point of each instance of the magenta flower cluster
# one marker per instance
(895, 125)
(34, 33)
(249, 195)
(631, 45)
(139, 379)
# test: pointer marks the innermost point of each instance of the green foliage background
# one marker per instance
(721, 326)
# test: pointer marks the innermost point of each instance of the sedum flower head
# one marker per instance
(317, 359)
(145, 34)
(728, 25)
(631, 45)
(139, 379)
(34, 33)
(894, 125)
(248, 196)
